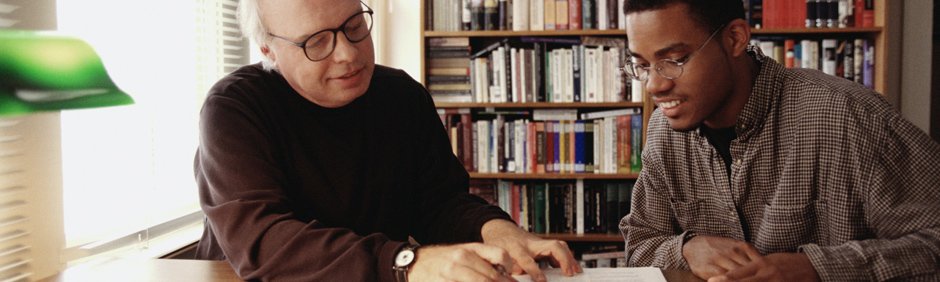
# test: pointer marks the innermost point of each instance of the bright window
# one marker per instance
(126, 169)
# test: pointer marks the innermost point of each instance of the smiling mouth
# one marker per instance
(669, 104)
(349, 74)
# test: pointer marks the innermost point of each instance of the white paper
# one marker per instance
(621, 274)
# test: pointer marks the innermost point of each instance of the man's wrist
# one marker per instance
(405, 258)
(688, 236)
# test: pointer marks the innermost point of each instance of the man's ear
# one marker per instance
(738, 37)
(266, 51)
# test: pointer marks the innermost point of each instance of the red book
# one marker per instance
(797, 10)
(868, 14)
(467, 139)
(788, 48)
(574, 14)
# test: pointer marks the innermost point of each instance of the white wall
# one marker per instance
(916, 54)
(403, 38)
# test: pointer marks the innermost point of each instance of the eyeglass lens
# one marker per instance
(321, 45)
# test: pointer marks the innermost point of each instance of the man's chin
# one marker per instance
(681, 126)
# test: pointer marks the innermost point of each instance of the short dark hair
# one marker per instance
(709, 13)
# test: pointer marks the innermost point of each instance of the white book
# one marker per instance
(554, 114)
(636, 91)
(520, 15)
(599, 73)
(621, 19)
(610, 113)
(557, 84)
(536, 15)
(810, 56)
(829, 56)
(568, 74)
(483, 133)
(615, 77)
(767, 47)
(499, 74)
(601, 15)
(587, 77)
(514, 74)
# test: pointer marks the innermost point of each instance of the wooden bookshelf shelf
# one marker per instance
(791, 31)
(540, 105)
(610, 238)
(509, 33)
(555, 176)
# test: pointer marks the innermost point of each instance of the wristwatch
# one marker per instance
(403, 261)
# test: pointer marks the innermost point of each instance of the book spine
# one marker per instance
(561, 14)
(490, 15)
(574, 14)
(504, 11)
(477, 16)
(587, 14)
(466, 16)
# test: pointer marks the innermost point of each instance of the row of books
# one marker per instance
(562, 207)
(552, 141)
(532, 69)
(521, 15)
(449, 69)
(852, 59)
(810, 13)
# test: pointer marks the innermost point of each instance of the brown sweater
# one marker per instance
(297, 192)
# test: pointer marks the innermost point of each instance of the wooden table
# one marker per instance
(150, 270)
(197, 270)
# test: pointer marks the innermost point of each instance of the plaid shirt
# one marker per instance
(820, 165)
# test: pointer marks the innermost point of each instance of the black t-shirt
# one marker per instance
(720, 138)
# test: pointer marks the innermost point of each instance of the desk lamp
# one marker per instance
(44, 71)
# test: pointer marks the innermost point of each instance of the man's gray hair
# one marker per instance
(249, 19)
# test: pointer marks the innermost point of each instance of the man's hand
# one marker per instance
(773, 267)
(464, 262)
(710, 256)
(526, 248)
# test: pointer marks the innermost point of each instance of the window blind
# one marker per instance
(15, 256)
(30, 171)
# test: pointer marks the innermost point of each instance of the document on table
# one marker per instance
(621, 274)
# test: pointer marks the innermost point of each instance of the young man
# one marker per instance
(319, 165)
(755, 172)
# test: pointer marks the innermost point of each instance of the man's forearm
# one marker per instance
(877, 259)
(497, 228)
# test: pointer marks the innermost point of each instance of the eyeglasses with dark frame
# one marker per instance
(667, 68)
(321, 44)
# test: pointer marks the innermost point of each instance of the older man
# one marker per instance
(318, 165)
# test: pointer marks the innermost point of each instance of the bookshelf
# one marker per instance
(880, 35)
(587, 241)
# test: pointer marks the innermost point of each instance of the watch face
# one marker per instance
(404, 258)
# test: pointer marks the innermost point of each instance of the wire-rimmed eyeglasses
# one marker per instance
(667, 68)
(321, 44)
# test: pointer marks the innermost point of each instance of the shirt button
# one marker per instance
(738, 162)
(742, 126)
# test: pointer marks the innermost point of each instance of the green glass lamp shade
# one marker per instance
(42, 71)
